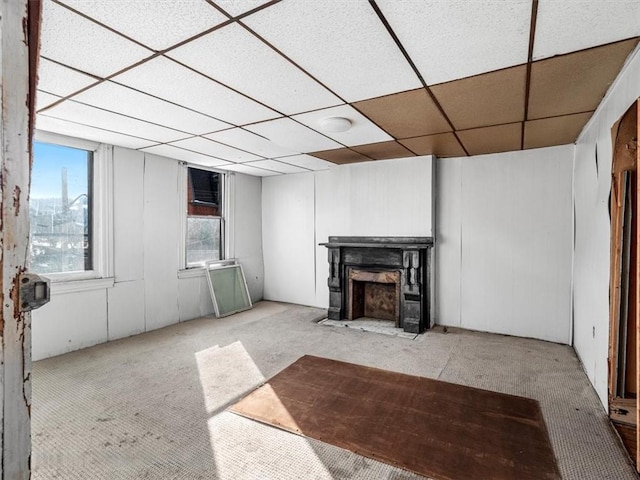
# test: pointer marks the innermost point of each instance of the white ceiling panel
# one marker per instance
(73, 40)
(307, 161)
(166, 79)
(209, 147)
(44, 99)
(277, 166)
(239, 138)
(343, 44)
(95, 117)
(362, 129)
(111, 96)
(176, 153)
(289, 134)
(238, 7)
(63, 127)
(156, 24)
(257, 172)
(237, 58)
(59, 80)
(563, 27)
(454, 39)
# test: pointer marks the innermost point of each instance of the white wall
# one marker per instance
(504, 243)
(147, 291)
(592, 186)
(386, 198)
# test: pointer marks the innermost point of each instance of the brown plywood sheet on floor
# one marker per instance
(490, 99)
(575, 82)
(406, 114)
(433, 428)
(628, 437)
(442, 145)
(548, 132)
(383, 150)
(340, 156)
(500, 138)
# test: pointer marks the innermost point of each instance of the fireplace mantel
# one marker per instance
(410, 256)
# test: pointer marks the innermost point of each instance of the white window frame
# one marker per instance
(101, 217)
(183, 182)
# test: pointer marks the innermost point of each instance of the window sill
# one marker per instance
(194, 272)
(72, 286)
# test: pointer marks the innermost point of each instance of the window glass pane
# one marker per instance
(203, 239)
(60, 209)
(229, 289)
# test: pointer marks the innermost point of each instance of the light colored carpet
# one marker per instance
(152, 406)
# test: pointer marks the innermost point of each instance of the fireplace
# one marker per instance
(386, 278)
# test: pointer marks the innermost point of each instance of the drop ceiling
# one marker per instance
(244, 84)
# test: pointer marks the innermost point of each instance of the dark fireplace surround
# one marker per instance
(380, 277)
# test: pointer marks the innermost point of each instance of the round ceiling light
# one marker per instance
(335, 124)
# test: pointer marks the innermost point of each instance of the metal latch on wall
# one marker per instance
(34, 291)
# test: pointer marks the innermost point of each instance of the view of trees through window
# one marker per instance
(60, 209)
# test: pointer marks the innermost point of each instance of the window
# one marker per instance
(204, 216)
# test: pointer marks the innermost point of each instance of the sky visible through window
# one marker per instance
(46, 177)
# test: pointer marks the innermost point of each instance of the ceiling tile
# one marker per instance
(575, 82)
(343, 44)
(307, 161)
(238, 7)
(441, 145)
(384, 150)
(341, 156)
(166, 79)
(215, 149)
(563, 27)
(95, 117)
(489, 99)
(554, 131)
(73, 40)
(237, 58)
(249, 170)
(406, 114)
(251, 142)
(176, 153)
(156, 24)
(277, 166)
(454, 39)
(44, 99)
(71, 129)
(114, 97)
(362, 129)
(500, 138)
(289, 134)
(59, 80)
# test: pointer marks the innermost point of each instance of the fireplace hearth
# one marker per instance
(386, 278)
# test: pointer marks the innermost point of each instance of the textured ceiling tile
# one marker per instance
(384, 150)
(341, 156)
(238, 7)
(249, 170)
(237, 58)
(176, 153)
(71, 129)
(114, 97)
(289, 134)
(441, 145)
(406, 114)
(251, 142)
(277, 166)
(95, 117)
(214, 149)
(44, 99)
(453, 39)
(362, 129)
(489, 99)
(75, 41)
(59, 80)
(343, 44)
(501, 138)
(156, 24)
(166, 79)
(563, 27)
(307, 161)
(554, 131)
(576, 82)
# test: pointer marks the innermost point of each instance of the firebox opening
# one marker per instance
(374, 295)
